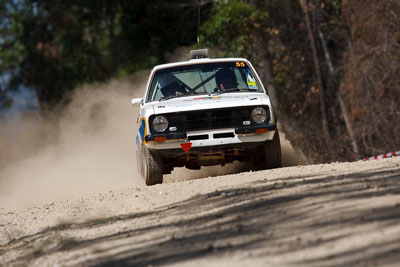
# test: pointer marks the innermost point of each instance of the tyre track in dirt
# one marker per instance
(316, 215)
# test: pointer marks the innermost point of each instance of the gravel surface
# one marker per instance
(316, 215)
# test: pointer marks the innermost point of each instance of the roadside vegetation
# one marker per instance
(332, 68)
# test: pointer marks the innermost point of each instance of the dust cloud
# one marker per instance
(88, 147)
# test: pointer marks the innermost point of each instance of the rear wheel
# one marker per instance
(153, 168)
(272, 153)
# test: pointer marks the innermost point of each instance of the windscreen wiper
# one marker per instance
(182, 95)
(231, 90)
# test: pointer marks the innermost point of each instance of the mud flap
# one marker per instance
(139, 156)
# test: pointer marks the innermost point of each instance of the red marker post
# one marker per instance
(384, 156)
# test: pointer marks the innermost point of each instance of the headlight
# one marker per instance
(160, 124)
(259, 115)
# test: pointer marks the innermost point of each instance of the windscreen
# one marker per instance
(208, 78)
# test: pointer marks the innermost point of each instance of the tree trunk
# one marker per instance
(325, 130)
(339, 96)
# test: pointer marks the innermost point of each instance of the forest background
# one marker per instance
(331, 67)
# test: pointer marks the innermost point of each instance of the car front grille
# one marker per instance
(209, 119)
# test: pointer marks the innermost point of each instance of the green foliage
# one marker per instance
(53, 46)
(233, 27)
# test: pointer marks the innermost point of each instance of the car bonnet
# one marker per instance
(203, 102)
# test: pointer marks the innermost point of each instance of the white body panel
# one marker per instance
(201, 102)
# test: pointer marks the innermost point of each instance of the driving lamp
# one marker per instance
(160, 124)
(259, 115)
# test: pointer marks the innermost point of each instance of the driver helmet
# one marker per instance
(227, 78)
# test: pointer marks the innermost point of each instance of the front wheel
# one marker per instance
(153, 168)
(272, 153)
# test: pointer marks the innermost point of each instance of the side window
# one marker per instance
(250, 80)
(155, 90)
(158, 91)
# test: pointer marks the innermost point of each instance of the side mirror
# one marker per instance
(136, 101)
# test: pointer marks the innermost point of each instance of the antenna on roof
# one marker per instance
(198, 53)
(198, 28)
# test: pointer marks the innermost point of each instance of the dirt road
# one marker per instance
(317, 215)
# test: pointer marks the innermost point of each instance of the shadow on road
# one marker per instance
(309, 220)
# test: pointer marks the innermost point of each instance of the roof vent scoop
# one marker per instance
(199, 53)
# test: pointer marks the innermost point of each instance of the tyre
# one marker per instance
(272, 153)
(152, 168)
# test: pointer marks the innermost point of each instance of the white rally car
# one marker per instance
(205, 112)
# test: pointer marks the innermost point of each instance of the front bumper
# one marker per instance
(214, 137)
(240, 130)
